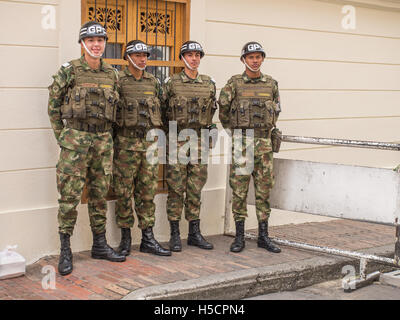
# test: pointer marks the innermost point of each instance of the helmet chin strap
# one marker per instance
(88, 51)
(251, 69)
(187, 64)
(134, 64)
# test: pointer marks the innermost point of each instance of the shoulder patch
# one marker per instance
(66, 65)
(166, 79)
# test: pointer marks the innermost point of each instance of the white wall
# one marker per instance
(30, 55)
(333, 83)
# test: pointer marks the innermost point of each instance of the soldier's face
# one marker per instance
(254, 60)
(140, 59)
(96, 45)
(192, 58)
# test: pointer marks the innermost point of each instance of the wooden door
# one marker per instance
(163, 25)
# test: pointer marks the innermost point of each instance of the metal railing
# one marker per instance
(364, 258)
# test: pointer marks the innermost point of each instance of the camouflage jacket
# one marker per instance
(168, 92)
(64, 79)
(228, 94)
(146, 79)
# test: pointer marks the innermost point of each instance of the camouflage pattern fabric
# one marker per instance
(263, 158)
(134, 177)
(228, 93)
(184, 179)
(64, 79)
(263, 178)
(84, 157)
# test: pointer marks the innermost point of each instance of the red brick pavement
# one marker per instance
(98, 279)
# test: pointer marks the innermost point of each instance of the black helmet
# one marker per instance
(251, 47)
(136, 46)
(92, 29)
(191, 46)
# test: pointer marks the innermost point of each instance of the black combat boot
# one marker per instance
(150, 245)
(65, 262)
(195, 238)
(101, 250)
(263, 240)
(126, 241)
(238, 244)
(175, 240)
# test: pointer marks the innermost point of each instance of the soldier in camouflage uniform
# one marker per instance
(190, 101)
(82, 108)
(251, 101)
(139, 111)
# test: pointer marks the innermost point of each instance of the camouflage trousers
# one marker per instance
(85, 158)
(263, 182)
(134, 177)
(185, 182)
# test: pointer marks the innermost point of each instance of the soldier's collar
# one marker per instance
(246, 78)
(185, 77)
(144, 75)
(86, 66)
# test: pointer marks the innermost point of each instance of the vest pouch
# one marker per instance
(269, 119)
(205, 111)
(78, 102)
(276, 139)
(110, 110)
(120, 115)
(66, 108)
(131, 112)
(258, 113)
(154, 111)
(243, 114)
(180, 105)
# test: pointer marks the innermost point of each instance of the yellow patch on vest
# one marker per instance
(264, 94)
(106, 86)
(148, 92)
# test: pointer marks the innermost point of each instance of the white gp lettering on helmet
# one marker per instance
(253, 47)
(194, 46)
(95, 30)
(140, 47)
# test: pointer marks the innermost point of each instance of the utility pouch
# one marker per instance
(243, 113)
(154, 111)
(131, 112)
(111, 98)
(204, 111)
(78, 102)
(276, 139)
(180, 105)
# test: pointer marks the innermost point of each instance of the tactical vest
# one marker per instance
(141, 107)
(253, 105)
(92, 99)
(191, 104)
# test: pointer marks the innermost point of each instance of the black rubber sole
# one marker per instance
(95, 256)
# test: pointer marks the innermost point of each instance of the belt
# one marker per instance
(92, 128)
(131, 132)
(258, 133)
(197, 130)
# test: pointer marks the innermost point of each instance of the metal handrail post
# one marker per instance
(342, 142)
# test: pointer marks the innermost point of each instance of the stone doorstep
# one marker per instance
(391, 278)
(256, 281)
